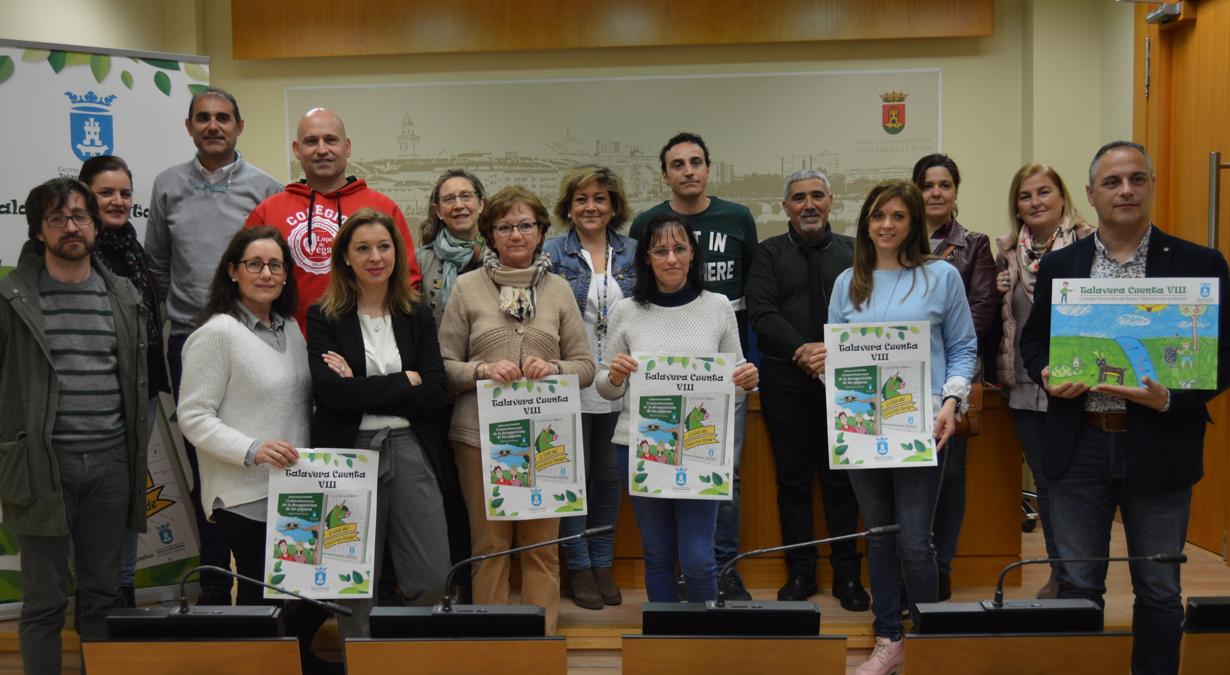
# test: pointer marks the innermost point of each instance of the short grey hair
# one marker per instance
(804, 174)
(1116, 145)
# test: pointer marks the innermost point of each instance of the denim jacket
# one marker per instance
(566, 260)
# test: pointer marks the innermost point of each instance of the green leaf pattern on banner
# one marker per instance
(100, 65)
(196, 71)
(126, 78)
(163, 82)
(6, 68)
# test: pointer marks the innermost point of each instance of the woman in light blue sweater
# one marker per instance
(894, 278)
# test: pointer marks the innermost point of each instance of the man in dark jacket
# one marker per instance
(1135, 448)
(788, 289)
(72, 419)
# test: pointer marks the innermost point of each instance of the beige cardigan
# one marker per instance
(475, 331)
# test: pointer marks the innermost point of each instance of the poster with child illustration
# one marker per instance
(531, 440)
(681, 435)
(879, 395)
(1118, 331)
(319, 516)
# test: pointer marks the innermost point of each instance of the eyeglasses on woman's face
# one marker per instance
(506, 229)
(256, 266)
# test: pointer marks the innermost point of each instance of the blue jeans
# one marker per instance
(604, 486)
(1030, 431)
(950, 509)
(906, 497)
(726, 541)
(1083, 505)
(675, 530)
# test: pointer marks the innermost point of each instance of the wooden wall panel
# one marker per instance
(270, 29)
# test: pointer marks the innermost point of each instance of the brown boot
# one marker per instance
(606, 586)
(585, 590)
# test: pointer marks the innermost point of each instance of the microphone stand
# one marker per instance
(446, 603)
(998, 602)
(331, 607)
(722, 573)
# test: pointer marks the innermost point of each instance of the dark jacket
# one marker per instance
(30, 492)
(778, 303)
(971, 255)
(341, 401)
(1165, 450)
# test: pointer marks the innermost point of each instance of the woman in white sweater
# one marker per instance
(670, 311)
(245, 405)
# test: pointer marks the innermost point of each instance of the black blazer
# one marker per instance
(1165, 450)
(341, 401)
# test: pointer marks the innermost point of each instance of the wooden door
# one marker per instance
(1185, 116)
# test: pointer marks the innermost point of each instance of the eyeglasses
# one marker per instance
(254, 266)
(505, 229)
(662, 252)
(463, 197)
(57, 221)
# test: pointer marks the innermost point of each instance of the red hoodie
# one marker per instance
(311, 241)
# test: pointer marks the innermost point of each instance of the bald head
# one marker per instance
(322, 148)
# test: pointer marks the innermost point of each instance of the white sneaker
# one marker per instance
(886, 659)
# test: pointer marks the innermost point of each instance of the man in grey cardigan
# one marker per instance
(195, 209)
(73, 433)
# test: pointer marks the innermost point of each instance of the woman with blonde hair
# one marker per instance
(1043, 220)
(599, 264)
(379, 383)
(508, 320)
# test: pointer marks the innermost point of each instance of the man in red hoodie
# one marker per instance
(310, 212)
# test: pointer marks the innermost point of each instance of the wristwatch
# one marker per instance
(953, 397)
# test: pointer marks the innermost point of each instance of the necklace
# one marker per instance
(893, 294)
(603, 293)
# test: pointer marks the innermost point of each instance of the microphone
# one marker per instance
(1055, 615)
(722, 573)
(998, 602)
(331, 607)
(446, 603)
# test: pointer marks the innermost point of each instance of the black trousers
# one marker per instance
(246, 538)
(793, 407)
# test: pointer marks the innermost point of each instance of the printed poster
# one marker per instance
(319, 534)
(1116, 331)
(531, 443)
(878, 395)
(681, 438)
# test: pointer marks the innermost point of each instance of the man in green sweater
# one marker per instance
(726, 233)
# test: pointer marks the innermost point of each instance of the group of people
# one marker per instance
(304, 315)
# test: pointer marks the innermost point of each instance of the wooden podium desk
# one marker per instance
(704, 655)
(450, 656)
(1019, 654)
(257, 656)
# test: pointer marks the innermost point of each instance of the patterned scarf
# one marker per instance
(518, 287)
(1031, 257)
(455, 254)
(123, 255)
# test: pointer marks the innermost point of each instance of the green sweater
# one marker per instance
(726, 232)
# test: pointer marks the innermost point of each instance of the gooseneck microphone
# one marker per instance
(998, 602)
(446, 603)
(331, 607)
(872, 532)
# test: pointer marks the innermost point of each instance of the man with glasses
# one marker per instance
(73, 383)
(195, 209)
(309, 213)
(726, 231)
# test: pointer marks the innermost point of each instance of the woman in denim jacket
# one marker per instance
(599, 265)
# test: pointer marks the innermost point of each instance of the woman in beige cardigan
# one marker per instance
(507, 320)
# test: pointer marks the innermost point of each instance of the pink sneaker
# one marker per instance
(886, 659)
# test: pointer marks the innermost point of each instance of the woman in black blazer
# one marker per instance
(378, 382)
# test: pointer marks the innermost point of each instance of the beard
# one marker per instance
(62, 249)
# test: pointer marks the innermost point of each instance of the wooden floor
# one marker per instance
(594, 636)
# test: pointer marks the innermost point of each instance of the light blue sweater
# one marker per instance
(932, 293)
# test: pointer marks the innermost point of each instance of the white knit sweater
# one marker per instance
(237, 389)
(707, 324)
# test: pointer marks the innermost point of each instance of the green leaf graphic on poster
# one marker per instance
(572, 496)
(77, 59)
(6, 68)
(56, 60)
(163, 64)
(558, 498)
(35, 55)
(918, 446)
(649, 366)
(126, 78)
(100, 65)
(196, 71)
(717, 479)
(195, 89)
(163, 82)
(703, 478)
(277, 579)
